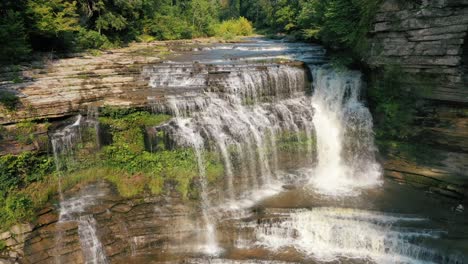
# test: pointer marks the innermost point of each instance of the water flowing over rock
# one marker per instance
(345, 140)
(332, 233)
(278, 202)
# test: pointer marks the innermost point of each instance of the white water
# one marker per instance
(329, 234)
(345, 144)
(64, 144)
(239, 111)
(64, 141)
(92, 248)
(193, 139)
(73, 209)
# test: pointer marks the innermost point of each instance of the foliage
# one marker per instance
(234, 27)
(14, 45)
(19, 171)
(24, 132)
(76, 25)
(338, 23)
(127, 153)
(393, 103)
(15, 208)
(90, 39)
(19, 206)
(168, 27)
(3, 245)
(53, 17)
(119, 119)
(9, 100)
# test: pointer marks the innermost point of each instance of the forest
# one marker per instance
(28, 26)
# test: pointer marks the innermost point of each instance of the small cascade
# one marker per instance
(193, 139)
(64, 142)
(331, 234)
(345, 140)
(242, 112)
(92, 248)
(73, 209)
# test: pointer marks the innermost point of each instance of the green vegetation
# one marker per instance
(394, 100)
(77, 25)
(17, 173)
(234, 27)
(127, 153)
(3, 245)
(294, 142)
(29, 180)
(9, 100)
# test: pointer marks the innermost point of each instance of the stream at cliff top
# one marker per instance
(329, 204)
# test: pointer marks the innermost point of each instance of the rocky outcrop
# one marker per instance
(428, 38)
(125, 228)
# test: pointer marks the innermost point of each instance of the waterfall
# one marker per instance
(64, 144)
(64, 141)
(93, 250)
(331, 234)
(191, 138)
(345, 144)
(241, 113)
(73, 209)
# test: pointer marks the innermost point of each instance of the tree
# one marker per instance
(53, 17)
(14, 45)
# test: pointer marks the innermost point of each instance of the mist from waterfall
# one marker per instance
(345, 139)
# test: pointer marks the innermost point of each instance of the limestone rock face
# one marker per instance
(124, 227)
(426, 37)
(63, 87)
(429, 39)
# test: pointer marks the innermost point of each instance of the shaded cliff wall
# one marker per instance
(429, 40)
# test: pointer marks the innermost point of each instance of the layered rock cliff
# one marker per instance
(429, 39)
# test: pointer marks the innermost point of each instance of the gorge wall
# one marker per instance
(429, 39)
(425, 37)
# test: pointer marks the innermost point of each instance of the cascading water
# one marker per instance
(331, 234)
(242, 103)
(243, 132)
(345, 144)
(73, 209)
(64, 144)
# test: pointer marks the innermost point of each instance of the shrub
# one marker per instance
(19, 207)
(234, 27)
(18, 171)
(393, 103)
(9, 100)
(25, 132)
(169, 28)
(90, 39)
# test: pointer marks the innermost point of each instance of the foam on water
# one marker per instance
(328, 234)
(345, 142)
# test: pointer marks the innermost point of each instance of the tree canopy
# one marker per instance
(70, 25)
